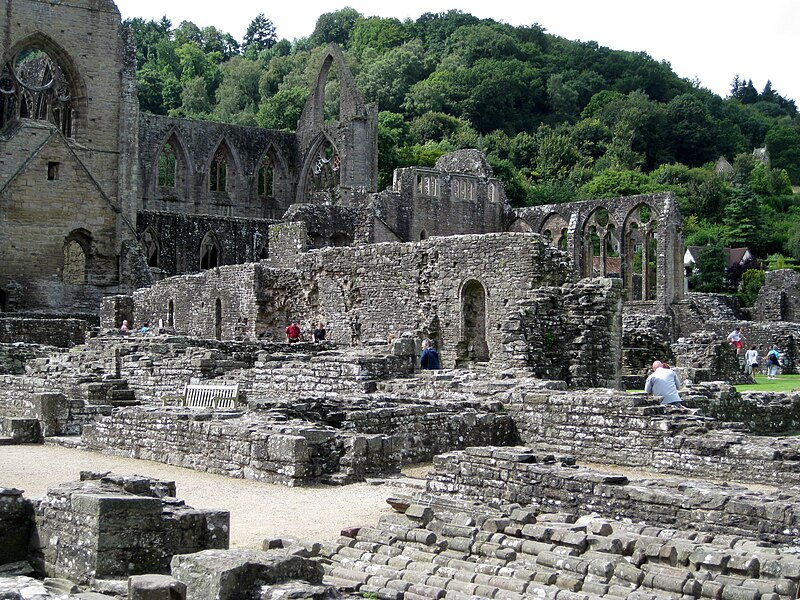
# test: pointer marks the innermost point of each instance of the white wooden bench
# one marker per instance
(211, 396)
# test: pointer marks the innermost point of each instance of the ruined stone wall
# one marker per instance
(705, 356)
(56, 188)
(196, 143)
(61, 333)
(518, 475)
(16, 523)
(763, 413)
(443, 546)
(571, 226)
(107, 527)
(779, 297)
(179, 238)
(628, 429)
(455, 199)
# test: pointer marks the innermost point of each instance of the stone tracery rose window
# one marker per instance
(33, 86)
(325, 170)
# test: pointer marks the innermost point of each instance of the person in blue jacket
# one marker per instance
(429, 360)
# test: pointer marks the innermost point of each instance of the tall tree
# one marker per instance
(260, 34)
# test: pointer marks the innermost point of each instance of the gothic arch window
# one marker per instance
(218, 173)
(76, 258)
(325, 167)
(640, 269)
(209, 252)
(554, 229)
(171, 314)
(265, 185)
(167, 166)
(600, 245)
(34, 86)
(151, 247)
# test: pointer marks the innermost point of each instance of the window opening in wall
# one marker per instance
(167, 166)
(52, 171)
(218, 319)
(151, 248)
(218, 173)
(33, 86)
(325, 171)
(209, 252)
(473, 346)
(3, 300)
(641, 252)
(171, 314)
(264, 253)
(423, 235)
(74, 272)
(266, 177)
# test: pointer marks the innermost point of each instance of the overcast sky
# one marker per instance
(711, 40)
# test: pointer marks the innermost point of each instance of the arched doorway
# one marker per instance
(472, 347)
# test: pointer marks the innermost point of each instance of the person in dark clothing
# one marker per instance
(318, 334)
(429, 360)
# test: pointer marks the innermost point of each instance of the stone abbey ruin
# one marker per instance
(546, 319)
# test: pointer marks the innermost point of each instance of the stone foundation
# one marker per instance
(110, 527)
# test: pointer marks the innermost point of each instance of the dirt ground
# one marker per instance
(258, 510)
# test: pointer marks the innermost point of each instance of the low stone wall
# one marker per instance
(441, 547)
(764, 413)
(632, 430)
(16, 523)
(62, 333)
(268, 447)
(520, 475)
(109, 527)
(705, 356)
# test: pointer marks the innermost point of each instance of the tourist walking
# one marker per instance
(773, 362)
(751, 359)
(429, 360)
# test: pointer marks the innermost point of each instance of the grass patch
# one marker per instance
(784, 383)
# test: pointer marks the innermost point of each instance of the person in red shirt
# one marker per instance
(293, 333)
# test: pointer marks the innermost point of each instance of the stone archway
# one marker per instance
(472, 347)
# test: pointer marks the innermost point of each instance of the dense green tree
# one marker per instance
(783, 143)
(556, 158)
(709, 273)
(335, 27)
(743, 219)
(388, 79)
(195, 100)
(377, 34)
(691, 130)
(610, 184)
(260, 34)
(282, 110)
(238, 94)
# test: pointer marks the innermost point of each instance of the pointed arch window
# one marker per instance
(34, 86)
(218, 173)
(325, 171)
(209, 252)
(167, 166)
(266, 177)
(151, 247)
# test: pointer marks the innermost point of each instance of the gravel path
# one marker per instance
(258, 510)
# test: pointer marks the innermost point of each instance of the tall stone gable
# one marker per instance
(67, 110)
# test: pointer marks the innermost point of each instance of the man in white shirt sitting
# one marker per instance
(664, 382)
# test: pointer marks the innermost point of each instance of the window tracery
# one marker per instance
(34, 86)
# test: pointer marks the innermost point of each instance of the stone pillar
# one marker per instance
(155, 587)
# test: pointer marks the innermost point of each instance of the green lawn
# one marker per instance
(784, 383)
